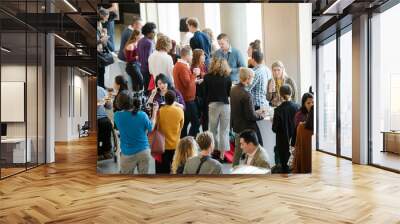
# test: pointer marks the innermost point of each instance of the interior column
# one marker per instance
(360, 90)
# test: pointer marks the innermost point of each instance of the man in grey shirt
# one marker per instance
(203, 163)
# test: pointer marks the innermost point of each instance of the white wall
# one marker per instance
(287, 37)
(305, 48)
(70, 84)
(193, 10)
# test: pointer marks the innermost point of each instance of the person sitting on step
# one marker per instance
(203, 163)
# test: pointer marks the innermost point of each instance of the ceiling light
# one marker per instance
(5, 50)
(70, 5)
(65, 41)
(86, 72)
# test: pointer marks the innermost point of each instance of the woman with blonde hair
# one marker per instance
(217, 87)
(187, 148)
(279, 78)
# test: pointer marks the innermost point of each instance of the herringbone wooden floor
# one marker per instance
(70, 191)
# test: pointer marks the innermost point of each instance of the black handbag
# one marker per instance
(105, 58)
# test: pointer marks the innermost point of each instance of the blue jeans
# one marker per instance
(110, 31)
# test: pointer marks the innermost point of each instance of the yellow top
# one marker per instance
(170, 121)
(279, 83)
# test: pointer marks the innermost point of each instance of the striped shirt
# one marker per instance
(258, 88)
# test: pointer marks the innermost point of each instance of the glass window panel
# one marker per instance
(385, 86)
(32, 98)
(13, 84)
(41, 99)
(346, 94)
(327, 97)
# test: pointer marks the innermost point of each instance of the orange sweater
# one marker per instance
(185, 81)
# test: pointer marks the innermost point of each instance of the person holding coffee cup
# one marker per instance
(199, 69)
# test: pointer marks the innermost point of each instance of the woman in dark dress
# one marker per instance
(199, 67)
(302, 156)
(307, 102)
(284, 127)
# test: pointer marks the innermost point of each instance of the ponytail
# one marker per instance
(136, 106)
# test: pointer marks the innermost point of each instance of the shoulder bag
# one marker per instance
(156, 140)
(105, 58)
(202, 160)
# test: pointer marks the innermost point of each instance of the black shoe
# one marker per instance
(276, 169)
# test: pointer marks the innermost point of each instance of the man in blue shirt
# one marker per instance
(104, 126)
(232, 55)
(199, 40)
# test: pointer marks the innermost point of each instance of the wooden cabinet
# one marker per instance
(391, 142)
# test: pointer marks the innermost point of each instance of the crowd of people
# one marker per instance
(200, 96)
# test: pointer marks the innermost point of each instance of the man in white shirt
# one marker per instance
(255, 154)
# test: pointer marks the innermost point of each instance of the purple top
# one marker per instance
(145, 47)
(161, 99)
